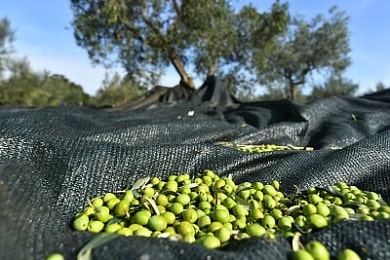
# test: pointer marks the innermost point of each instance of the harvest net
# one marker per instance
(53, 160)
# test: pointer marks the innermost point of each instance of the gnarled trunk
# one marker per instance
(185, 79)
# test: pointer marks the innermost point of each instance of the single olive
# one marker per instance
(112, 228)
(348, 254)
(108, 196)
(141, 217)
(220, 215)
(55, 256)
(223, 234)
(157, 223)
(301, 254)
(102, 213)
(317, 250)
(255, 230)
(183, 199)
(317, 221)
(190, 215)
(125, 231)
(95, 226)
(143, 232)
(185, 228)
(81, 223)
(211, 242)
(169, 216)
(204, 221)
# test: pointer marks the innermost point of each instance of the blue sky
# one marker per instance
(44, 36)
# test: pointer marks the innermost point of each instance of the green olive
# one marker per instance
(276, 213)
(229, 202)
(322, 209)
(183, 199)
(102, 213)
(240, 223)
(185, 228)
(373, 204)
(98, 202)
(315, 199)
(95, 226)
(285, 222)
(122, 208)
(112, 203)
(256, 213)
(157, 223)
(170, 217)
(112, 228)
(143, 232)
(214, 226)
(125, 231)
(309, 209)
(176, 208)
(55, 256)
(81, 223)
(269, 202)
(270, 190)
(211, 242)
(317, 250)
(317, 221)
(108, 196)
(154, 181)
(348, 254)
(204, 221)
(141, 217)
(190, 215)
(301, 254)
(240, 210)
(171, 186)
(268, 221)
(255, 230)
(223, 234)
(221, 215)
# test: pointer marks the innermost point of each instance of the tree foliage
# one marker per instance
(320, 45)
(146, 36)
(23, 86)
(6, 40)
(335, 85)
(117, 91)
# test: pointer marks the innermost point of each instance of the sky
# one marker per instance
(45, 37)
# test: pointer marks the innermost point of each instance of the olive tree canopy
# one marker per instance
(146, 36)
(320, 45)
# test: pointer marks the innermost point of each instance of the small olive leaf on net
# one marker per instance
(295, 242)
(100, 239)
(140, 183)
(153, 204)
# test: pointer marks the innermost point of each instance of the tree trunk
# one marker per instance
(185, 79)
(294, 91)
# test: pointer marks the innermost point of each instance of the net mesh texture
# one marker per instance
(53, 160)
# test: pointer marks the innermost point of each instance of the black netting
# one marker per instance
(53, 160)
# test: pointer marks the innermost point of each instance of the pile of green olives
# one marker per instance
(211, 210)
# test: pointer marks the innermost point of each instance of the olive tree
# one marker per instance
(146, 36)
(6, 39)
(320, 45)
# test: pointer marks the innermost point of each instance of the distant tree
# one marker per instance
(380, 86)
(6, 40)
(335, 85)
(320, 45)
(145, 37)
(117, 91)
(23, 86)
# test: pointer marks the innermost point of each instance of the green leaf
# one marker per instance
(100, 239)
(140, 183)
